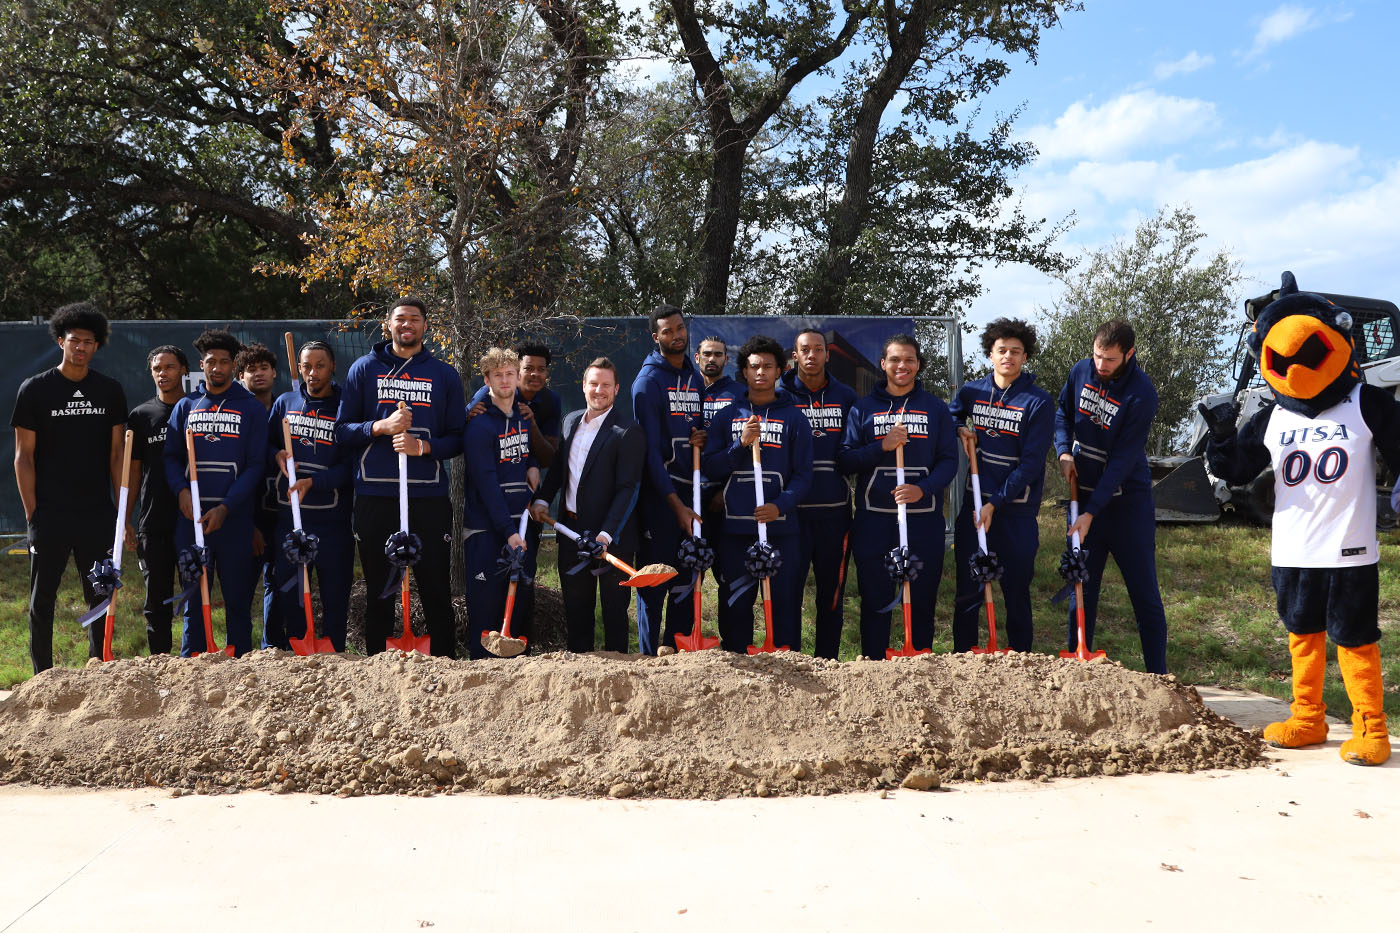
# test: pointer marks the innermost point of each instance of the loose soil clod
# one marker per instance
(694, 725)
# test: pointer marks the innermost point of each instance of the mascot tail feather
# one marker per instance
(1361, 671)
(1307, 720)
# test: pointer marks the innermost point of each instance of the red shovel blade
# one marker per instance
(696, 642)
(908, 651)
(1082, 656)
(1081, 653)
(768, 647)
(408, 641)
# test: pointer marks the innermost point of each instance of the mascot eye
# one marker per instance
(1343, 321)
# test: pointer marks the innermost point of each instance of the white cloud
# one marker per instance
(1288, 22)
(1122, 125)
(1192, 61)
(1317, 208)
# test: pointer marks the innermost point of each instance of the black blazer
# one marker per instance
(612, 474)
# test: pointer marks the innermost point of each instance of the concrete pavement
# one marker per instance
(1306, 841)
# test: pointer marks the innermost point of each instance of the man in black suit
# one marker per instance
(597, 473)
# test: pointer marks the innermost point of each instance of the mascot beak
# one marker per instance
(1301, 356)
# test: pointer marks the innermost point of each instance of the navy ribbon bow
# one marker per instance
(694, 554)
(1074, 568)
(299, 547)
(403, 548)
(191, 563)
(512, 563)
(901, 565)
(761, 561)
(106, 579)
(589, 550)
(986, 567)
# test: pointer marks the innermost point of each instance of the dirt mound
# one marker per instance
(691, 725)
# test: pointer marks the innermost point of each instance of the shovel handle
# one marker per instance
(291, 467)
(758, 481)
(695, 489)
(403, 485)
(292, 371)
(194, 487)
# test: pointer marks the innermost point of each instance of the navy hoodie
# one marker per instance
(718, 394)
(375, 385)
(1013, 429)
(1104, 424)
(930, 456)
(312, 422)
(786, 444)
(826, 410)
(498, 457)
(230, 438)
(666, 403)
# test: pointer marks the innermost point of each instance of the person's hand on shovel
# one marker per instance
(898, 436)
(397, 423)
(767, 512)
(907, 494)
(540, 513)
(751, 433)
(1081, 527)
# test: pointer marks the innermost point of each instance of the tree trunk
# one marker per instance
(834, 269)
(721, 225)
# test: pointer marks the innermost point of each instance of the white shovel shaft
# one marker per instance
(194, 508)
(977, 504)
(566, 531)
(524, 522)
(901, 508)
(695, 500)
(1074, 517)
(758, 482)
(403, 492)
(119, 537)
(292, 495)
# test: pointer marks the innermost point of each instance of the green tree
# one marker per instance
(1181, 303)
(141, 168)
(866, 200)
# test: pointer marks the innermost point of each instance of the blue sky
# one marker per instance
(1272, 121)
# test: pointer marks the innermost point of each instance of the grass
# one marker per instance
(1222, 628)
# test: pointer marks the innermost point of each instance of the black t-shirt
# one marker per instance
(72, 423)
(156, 507)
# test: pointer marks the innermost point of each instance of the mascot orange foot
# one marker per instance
(1307, 720)
(1361, 671)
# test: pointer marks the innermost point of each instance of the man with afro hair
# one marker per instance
(229, 425)
(69, 424)
(1011, 420)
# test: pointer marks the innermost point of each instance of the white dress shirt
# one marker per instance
(584, 436)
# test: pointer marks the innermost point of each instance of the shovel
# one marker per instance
(909, 650)
(408, 641)
(308, 644)
(106, 575)
(199, 543)
(696, 640)
(970, 447)
(655, 574)
(767, 647)
(502, 643)
(1082, 653)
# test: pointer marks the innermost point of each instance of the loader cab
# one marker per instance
(1376, 333)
